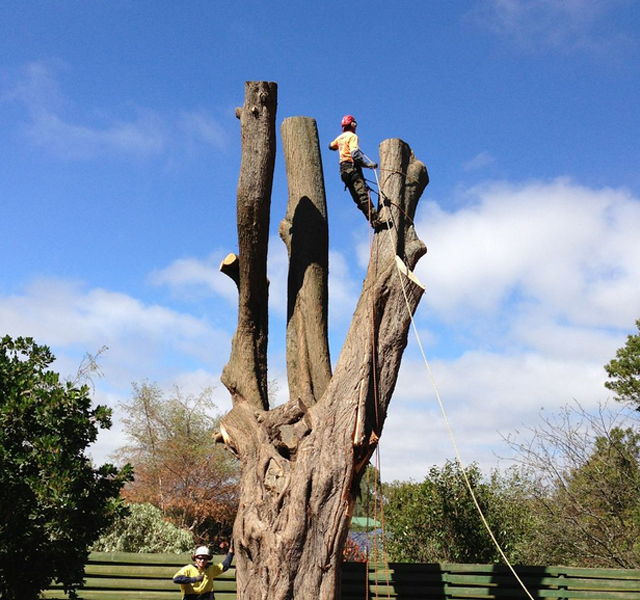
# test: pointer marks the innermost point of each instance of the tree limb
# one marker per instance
(245, 375)
(304, 232)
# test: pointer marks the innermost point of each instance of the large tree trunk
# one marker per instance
(301, 463)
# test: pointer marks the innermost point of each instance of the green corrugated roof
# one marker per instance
(365, 522)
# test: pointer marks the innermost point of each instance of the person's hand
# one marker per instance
(200, 577)
(373, 166)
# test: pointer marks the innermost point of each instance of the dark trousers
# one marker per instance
(352, 177)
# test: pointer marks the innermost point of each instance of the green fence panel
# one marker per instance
(129, 576)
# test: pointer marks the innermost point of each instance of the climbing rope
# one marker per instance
(388, 202)
(441, 404)
(377, 493)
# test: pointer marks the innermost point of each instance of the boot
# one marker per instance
(382, 220)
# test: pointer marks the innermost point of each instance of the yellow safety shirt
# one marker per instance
(199, 587)
(346, 143)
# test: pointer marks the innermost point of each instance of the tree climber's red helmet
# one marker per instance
(348, 122)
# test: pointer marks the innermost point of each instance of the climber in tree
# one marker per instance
(351, 162)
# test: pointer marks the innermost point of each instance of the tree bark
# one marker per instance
(301, 462)
(305, 233)
(245, 375)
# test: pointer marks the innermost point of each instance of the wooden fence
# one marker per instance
(125, 576)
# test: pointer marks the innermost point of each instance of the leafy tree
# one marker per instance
(353, 552)
(369, 498)
(365, 533)
(437, 520)
(624, 371)
(53, 502)
(144, 529)
(178, 466)
(587, 486)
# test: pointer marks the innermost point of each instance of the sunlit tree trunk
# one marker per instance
(302, 461)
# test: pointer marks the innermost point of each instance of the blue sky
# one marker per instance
(120, 155)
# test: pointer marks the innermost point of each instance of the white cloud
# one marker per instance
(344, 290)
(486, 396)
(109, 440)
(555, 248)
(36, 87)
(278, 273)
(140, 337)
(479, 162)
(193, 275)
(201, 127)
(145, 342)
(143, 136)
(560, 24)
(530, 291)
(90, 132)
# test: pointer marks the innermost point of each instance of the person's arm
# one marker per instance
(181, 577)
(227, 561)
(185, 579)
(360, 159)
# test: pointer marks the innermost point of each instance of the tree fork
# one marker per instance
(302, 462)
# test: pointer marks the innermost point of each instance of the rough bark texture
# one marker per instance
(245, 375)
(301, 462)
(305, 233)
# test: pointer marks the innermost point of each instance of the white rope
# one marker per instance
(442, 409)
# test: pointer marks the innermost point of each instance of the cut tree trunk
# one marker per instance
(245, 375)
(305, 233)
(301, 462)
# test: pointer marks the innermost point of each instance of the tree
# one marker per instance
(624, 371)
(368, 501)
(144, 529)
(437, 520)
(365, 540)
(53, 502)
(302, 462)
(178, 466)
(586, 469)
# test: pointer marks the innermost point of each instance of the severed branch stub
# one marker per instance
(230, 267)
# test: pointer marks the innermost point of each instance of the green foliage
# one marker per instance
(143, 529)
(586, 471)
(53, 503)
(597, 505)
(368, 498)
(437, 520)
(624, 371)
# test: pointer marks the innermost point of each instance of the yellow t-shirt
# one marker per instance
(346, 142)
(210, 572)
